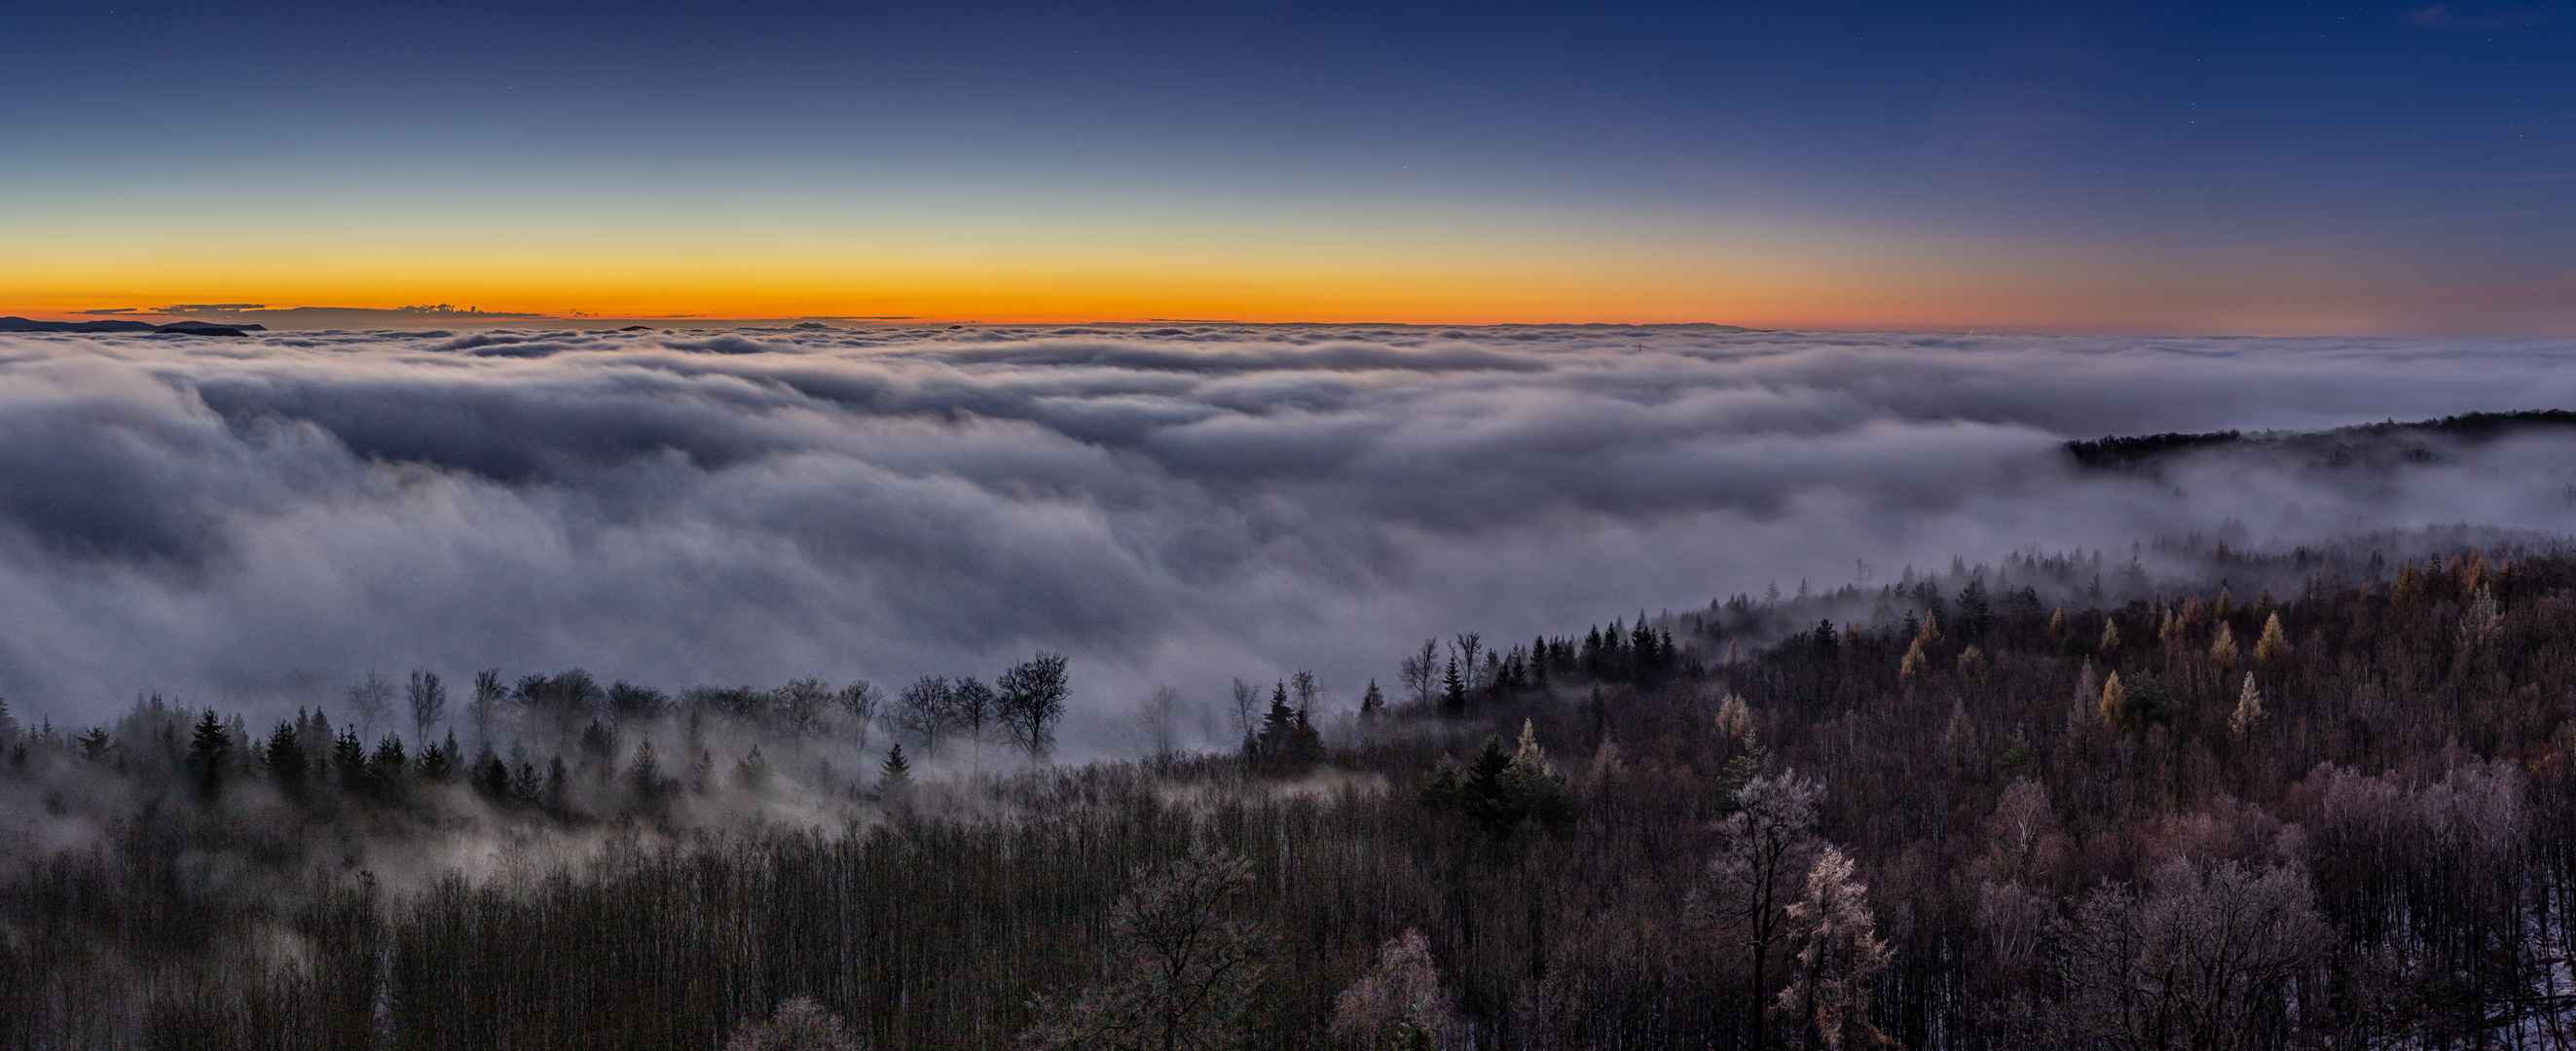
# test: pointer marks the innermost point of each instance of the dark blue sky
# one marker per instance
(2384, 166)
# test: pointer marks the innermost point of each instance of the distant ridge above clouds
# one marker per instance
(196, 328)
(2369, 445)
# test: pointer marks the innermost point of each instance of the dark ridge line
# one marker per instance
(2340, 446)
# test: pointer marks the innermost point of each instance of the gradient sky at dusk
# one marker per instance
(2170, 167)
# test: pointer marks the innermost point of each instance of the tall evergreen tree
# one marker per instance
(894, 779)
(209, 752)
(287, 763)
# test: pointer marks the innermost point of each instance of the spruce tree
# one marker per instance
(286, 760)
(208, 751)
(895, 776)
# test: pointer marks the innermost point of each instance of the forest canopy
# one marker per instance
(2298, 798)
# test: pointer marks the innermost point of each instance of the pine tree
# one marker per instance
(895, 777)
(2274, 645)
(753, 771)
(2224, 649)
(1748, 765)
(644, 776)
(2110, 635)
(1453, 691)
(349, 760)
(1372, 703)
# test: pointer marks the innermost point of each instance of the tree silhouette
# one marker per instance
(1032, 700)
(1181, 969)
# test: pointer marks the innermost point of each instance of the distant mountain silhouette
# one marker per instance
(19, 324)
(188, 328)
(2368, 445)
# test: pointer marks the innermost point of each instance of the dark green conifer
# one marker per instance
(208, 753)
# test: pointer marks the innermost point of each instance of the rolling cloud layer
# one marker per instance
(258, 521)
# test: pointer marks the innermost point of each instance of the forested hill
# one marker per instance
(2371, 445)
(2343, 816)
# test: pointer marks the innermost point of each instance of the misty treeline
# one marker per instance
(562, 745)
(2303, 799)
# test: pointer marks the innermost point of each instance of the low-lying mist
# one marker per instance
(256, 523)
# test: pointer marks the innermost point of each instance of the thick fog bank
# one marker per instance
(256, 522)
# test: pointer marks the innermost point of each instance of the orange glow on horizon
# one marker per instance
(1753, 286)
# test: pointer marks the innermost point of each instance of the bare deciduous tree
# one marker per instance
(799, 1024)
(1420, 672)
(2201, 959)
(1181, 972)
(1032, 700)
(860, 702)
(925, 711)
(973, 708)
(1400, 1006)
(1160, 717)
(1466, 646)
(371, 699)
(489, 692)
(428, 698)
(1247, 700)
(801, 704)
(1764, 848)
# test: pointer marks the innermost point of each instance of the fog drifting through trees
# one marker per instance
(1279, 688)
(2014, 807)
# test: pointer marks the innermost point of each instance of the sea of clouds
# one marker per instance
(257, 522)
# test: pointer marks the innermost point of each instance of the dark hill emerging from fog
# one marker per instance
(2370, 445)
(185, 328)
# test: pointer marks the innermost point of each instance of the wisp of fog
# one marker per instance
(256, 522)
